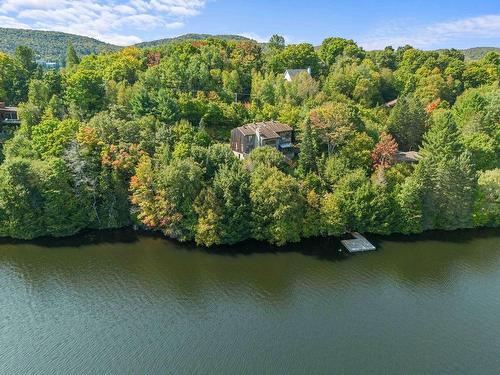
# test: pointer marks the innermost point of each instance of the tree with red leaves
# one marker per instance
(384, 153)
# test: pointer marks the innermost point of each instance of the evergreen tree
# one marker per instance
(447, 177)
(308, 150)
(72, 58)
(407, 123)
(26, 57)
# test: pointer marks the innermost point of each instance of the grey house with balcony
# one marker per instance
(8, 115)
(269, 133)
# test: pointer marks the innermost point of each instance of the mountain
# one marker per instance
(50, 45)
(478, 52)
(182, 38)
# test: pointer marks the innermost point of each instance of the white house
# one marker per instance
(291, 73)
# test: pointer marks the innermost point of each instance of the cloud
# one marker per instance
(265, 38)
(427, 36)
(107, 20)
(256, 37)
(9, 22)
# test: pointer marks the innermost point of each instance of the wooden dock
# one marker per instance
(357, 244)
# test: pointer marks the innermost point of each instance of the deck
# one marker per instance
(357, 244)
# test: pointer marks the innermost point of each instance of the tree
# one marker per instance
(277, 206)
(51, 137)
(21, 206)
(14, 79)
(407, 123)
(356, 150)
(72, 58)
(167, 109)
(308, 150)
(85, 92)
(164, 198)
(335, 123)
(447, 177)
(332, 48)
(64, 213)
(312, 225)
(487, 199)
(276, 43)
(268, 156)
(224, 208)
(334, 220)
(26, 58)
(295, 56)
(384, 153)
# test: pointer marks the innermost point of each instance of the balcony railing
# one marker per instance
(11, 121)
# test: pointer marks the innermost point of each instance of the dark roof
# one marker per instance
(8, 109)
(408, 156)
(4, 108)
(267, 129)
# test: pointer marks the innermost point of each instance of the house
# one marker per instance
(47, 64)
(407, 157)
(391, 104)
(291, 73)
(8, 115)
(269, 133)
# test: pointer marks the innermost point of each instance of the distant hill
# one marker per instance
(182, 38)
(478, 52)
(50, 45)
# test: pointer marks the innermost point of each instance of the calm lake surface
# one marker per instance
(123, 303)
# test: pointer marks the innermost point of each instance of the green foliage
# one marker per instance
(295, 56)
(51, 137)
(85, 92)
(72, 58)
(447, 176)
(50, 45)
(223, 208)
(487, 200)
(309, 150)
(26, 58)
(277, 206)
(38, 199)
(14, 79)
(407, 123)
(139, 136)
(332, 48)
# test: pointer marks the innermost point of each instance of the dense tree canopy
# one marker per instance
(139, 137)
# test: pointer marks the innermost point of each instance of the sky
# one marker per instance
(426, 24)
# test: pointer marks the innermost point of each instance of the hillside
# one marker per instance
(478, 52)
(50, 45)
(159, 42)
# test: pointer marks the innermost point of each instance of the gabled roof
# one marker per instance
(408, 156)
(8, 109)
(4, 108)
(392, 103)
(293, 72)
(267, 129)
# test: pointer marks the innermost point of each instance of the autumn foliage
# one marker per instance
(384, 153)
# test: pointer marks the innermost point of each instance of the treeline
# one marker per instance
(50, 45)
(139, 137)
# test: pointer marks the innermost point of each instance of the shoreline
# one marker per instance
(325, 244)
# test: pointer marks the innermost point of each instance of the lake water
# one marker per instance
(123, 303)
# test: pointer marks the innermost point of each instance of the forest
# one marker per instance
(140, 137)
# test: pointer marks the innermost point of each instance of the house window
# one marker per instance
(249, 144)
